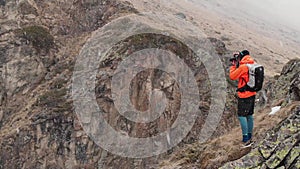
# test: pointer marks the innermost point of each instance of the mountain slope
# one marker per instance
(268, 44)
(279, 148)
(39, 43)
(276, 136)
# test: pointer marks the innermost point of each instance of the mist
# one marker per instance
(277, 12)
(285, 12)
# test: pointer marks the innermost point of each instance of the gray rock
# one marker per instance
(181, 15)
(280, 148)
(2, 2)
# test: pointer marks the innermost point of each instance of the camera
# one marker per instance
(235, 58)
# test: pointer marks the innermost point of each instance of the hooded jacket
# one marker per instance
(241, 74)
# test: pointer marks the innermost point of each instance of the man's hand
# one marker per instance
(233, 62)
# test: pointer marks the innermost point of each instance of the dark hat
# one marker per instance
(244, 53)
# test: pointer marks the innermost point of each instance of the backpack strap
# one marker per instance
(244, 88)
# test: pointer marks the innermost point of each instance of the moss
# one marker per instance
(279, 156)
(267, 148)
(294, 128)
(38, 36)
(258, 167)
(255, 153)
(297, 164)
(273, 163)
(293, 156)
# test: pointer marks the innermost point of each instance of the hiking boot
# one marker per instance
(249, 136)
(247, 144)
(245, 138)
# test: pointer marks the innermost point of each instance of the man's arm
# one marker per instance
(235, 73)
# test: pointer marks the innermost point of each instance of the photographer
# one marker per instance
(246, 99)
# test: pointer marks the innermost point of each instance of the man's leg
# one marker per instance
(250, 123)
(250, 120)
(244, 126)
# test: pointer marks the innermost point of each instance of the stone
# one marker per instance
(268, 147)
(292, 156)
(280, 148)
(287, 85)
(181, 15)
(296, 163)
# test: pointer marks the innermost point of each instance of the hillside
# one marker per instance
(270, 45)
(276, 136)
(66, 67)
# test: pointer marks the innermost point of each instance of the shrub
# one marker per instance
(38, 36)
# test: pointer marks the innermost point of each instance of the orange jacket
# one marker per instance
(240, 74)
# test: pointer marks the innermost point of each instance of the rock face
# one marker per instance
(284, 87)
(280, 148)
(38, 45)
(294, 90)
(39, 41)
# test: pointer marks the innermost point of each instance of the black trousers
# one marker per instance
(246, 106)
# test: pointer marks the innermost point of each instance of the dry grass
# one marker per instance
(228, 147)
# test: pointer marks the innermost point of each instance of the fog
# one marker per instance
(277, 12)
(286, 12)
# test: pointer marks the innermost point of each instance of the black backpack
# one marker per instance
(256, 78)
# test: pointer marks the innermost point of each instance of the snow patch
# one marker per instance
(275, 110)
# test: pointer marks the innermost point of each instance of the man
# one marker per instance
(246, 99)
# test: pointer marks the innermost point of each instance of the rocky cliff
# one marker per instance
(39, 43)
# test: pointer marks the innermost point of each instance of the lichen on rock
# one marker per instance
(279, 151)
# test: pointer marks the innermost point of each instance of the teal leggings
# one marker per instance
(246, 124)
